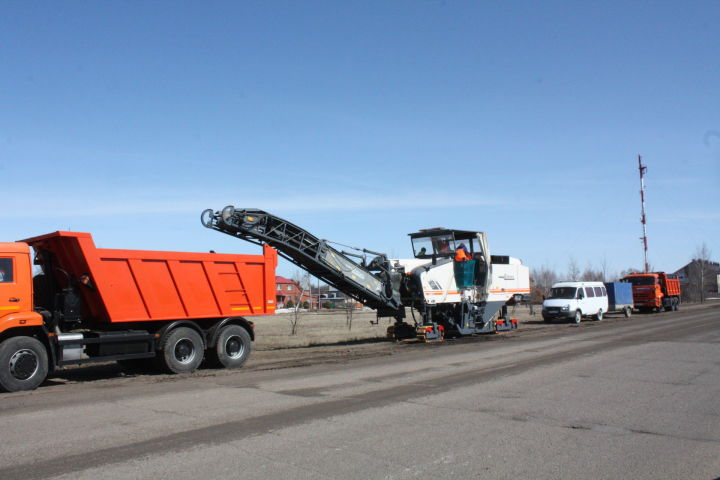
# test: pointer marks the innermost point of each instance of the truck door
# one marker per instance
(15, 288)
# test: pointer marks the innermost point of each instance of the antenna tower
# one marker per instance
(644, 239)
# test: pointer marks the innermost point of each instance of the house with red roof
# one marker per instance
(288, 289)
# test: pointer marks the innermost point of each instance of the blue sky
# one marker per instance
(364, 121)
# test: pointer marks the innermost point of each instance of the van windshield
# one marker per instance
(562, 292)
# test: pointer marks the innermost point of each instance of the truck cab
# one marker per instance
(460, 264)
(23, 357)
(16, 294)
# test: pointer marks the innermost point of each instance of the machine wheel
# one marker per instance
(628, 312)
(599, 315)
(181, 351)
(232, 347)
(23, 364)
(578, 316)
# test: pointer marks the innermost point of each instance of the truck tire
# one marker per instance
(23, 364)
(578, 316)
(676, 304)
(232, 348)
(181, 351)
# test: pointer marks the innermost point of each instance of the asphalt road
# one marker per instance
(637, 398)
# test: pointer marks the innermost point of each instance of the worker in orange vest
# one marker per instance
(462, 254)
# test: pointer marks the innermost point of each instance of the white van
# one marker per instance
(573, 300)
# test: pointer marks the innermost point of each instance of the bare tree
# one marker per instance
(541, 280)
(604, 268)
(700, 270)
(302, 281)
(627, 271)
(591, 275)
(573, 271)
(349, 309)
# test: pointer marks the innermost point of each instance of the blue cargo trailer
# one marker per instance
(620, 297)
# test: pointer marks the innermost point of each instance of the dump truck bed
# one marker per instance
(142, 285)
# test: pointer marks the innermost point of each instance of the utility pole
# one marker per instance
(644, 239)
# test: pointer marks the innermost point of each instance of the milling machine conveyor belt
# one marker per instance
(314, 255)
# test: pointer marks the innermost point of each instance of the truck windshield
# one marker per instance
(641, 280)
(562, 292)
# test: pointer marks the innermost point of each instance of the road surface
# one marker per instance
(636, 398)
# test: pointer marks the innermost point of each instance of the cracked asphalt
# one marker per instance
(636, 398)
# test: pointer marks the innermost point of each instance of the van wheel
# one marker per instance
(599, 315)
(628, 312)
(232, 347)
(182, 351)
(578, 316)
(23, 364)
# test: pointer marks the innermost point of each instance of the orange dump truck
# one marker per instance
(168, 310)
(655, 290)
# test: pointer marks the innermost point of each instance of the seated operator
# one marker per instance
(462, 254)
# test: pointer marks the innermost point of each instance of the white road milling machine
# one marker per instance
(453, 283)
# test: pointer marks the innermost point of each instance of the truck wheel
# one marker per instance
(578, 316)
(232, 347)
(599, 315)
(628, 312)
(182, 351)
(676, 304)
(23, 364)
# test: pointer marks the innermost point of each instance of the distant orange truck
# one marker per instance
(170, 310)
(655, 290)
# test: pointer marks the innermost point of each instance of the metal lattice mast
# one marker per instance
(644, 239)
